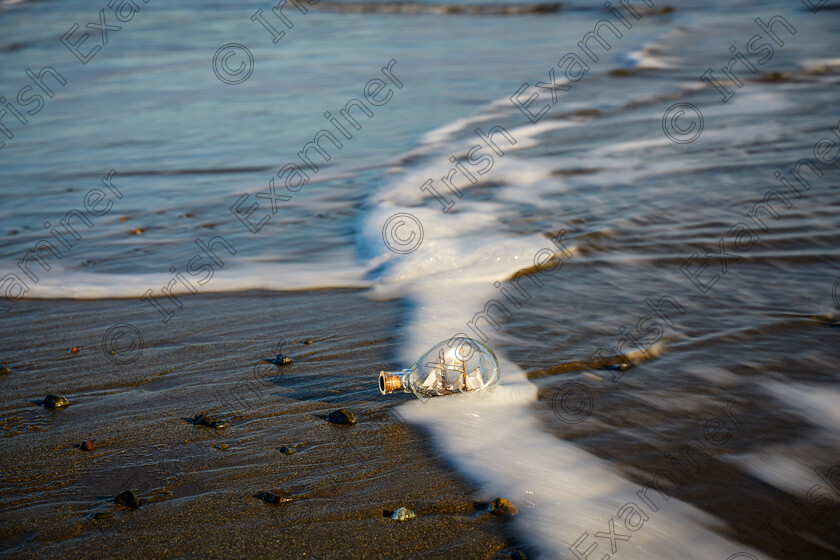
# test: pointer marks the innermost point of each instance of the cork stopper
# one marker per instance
(389, 382)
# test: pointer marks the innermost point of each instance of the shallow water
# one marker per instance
(752, 333)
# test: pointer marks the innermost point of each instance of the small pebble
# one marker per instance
(55, 401)
(288, 450)
(280, 360)
(222, 446)
(502, 507)
(103, 514)
(87, 446)
(403, 514)
(73, 350)
(306, 342)
(4, 369)
(341, 416)
(274, 496)
(127, 499)
(209, 421)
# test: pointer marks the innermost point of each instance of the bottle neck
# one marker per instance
(392, 381)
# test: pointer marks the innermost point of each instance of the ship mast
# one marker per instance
(464, 386)
(442, 370)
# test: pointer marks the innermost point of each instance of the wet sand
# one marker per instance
(198, 500)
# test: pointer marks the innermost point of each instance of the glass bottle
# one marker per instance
(456, 365)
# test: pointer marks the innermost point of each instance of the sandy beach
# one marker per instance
(197, 499)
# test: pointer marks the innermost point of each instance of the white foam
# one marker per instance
(496, 439)
(448, 131)
(818, 403)
(562, 492)
(645, 58)
(778, 468)
(819, 63)
(236, 275)
(783, 466)
(402, 186)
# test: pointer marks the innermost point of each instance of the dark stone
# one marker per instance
(4, 369)
(288, 450)
(209, 421)
(274, 496)
(280, 360)
(341, 416)
(55, 402)
(127, 499)
(87, 446)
